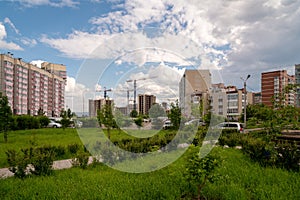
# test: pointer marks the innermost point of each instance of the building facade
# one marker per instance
(219, 100)
(97, 104)
(30, 88)
(274, 88)
(194, 88)
(297, 81)
(145, 102)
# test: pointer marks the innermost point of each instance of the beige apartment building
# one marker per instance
(194, 88)
(30, 88)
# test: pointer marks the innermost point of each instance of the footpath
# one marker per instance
(57, 165)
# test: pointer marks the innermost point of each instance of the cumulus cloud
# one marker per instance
(235, 37)
(4, 44)
(7, 20)
(58, 3)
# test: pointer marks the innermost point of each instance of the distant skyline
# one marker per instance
(231, 38)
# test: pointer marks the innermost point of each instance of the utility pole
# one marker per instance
(245, 100)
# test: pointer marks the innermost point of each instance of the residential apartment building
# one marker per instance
(236, 101)
(145, 102)
(194, 88)
(97, 104)
(257, 98)
(273, 88)
(219, 100)
(297, 81)
(30, 88)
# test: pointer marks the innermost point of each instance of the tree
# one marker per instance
(66, 116)
(41, 112)
(133, 113)
(199, 170)
(175, 114)
(5, 116)
(105, 117)
(157, 111)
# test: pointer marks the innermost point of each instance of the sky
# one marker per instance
(106, 43)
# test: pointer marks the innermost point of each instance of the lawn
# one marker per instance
(239, 177)
(22, 139)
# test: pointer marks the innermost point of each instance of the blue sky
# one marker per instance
(231, 38)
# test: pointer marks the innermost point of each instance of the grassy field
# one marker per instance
(36, 137)
(239, 177)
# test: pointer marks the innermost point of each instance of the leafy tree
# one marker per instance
(44, 121)
(66, 116)
(157, 111)
(133, 113)
(41, 112)
(5, 116)
(121, 120)
(139, 121)
(105, 117)
(199, 170)
(175, 115)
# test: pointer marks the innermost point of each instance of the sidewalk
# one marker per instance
(57, 165)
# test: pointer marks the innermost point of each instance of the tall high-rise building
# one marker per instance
(145, 102)
(194, 87)
(30, 88)
(97, 104)
(273, 88)
(297, 81)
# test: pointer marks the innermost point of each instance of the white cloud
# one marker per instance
(7, 20)
(239, 37)
(38, 63)
(28, 41)
(161, 80)
(58, 3)
(4, 44)
(77, 95)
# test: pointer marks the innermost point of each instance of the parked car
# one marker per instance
(231, 125)
(54, 124)
(167, 124)
(198, 122)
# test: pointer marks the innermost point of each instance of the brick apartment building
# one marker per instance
(145, 102)
(29, 87)
(273, 85)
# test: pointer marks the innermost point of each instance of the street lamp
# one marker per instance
(245, 99)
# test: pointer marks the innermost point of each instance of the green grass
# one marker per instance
(18, 140)
(240, 178)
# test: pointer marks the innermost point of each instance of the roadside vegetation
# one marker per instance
(254, 165)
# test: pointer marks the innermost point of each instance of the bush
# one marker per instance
(44, 121)
(231, 138)
(18, 163)
(73, 148)
(81, 160)
(288, 156)
(42, 161)
(37, 161)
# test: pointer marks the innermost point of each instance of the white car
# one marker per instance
(194, 122)
(231, 125)
(167, 124)
(54, 124)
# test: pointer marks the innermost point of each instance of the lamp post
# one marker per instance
(245, 99)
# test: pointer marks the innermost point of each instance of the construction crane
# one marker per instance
(134, 89)
(105, 92)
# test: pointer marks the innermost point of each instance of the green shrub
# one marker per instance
(73, 148)
(288, 155)
(18, 163)
(42, 161)
(81, 160)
